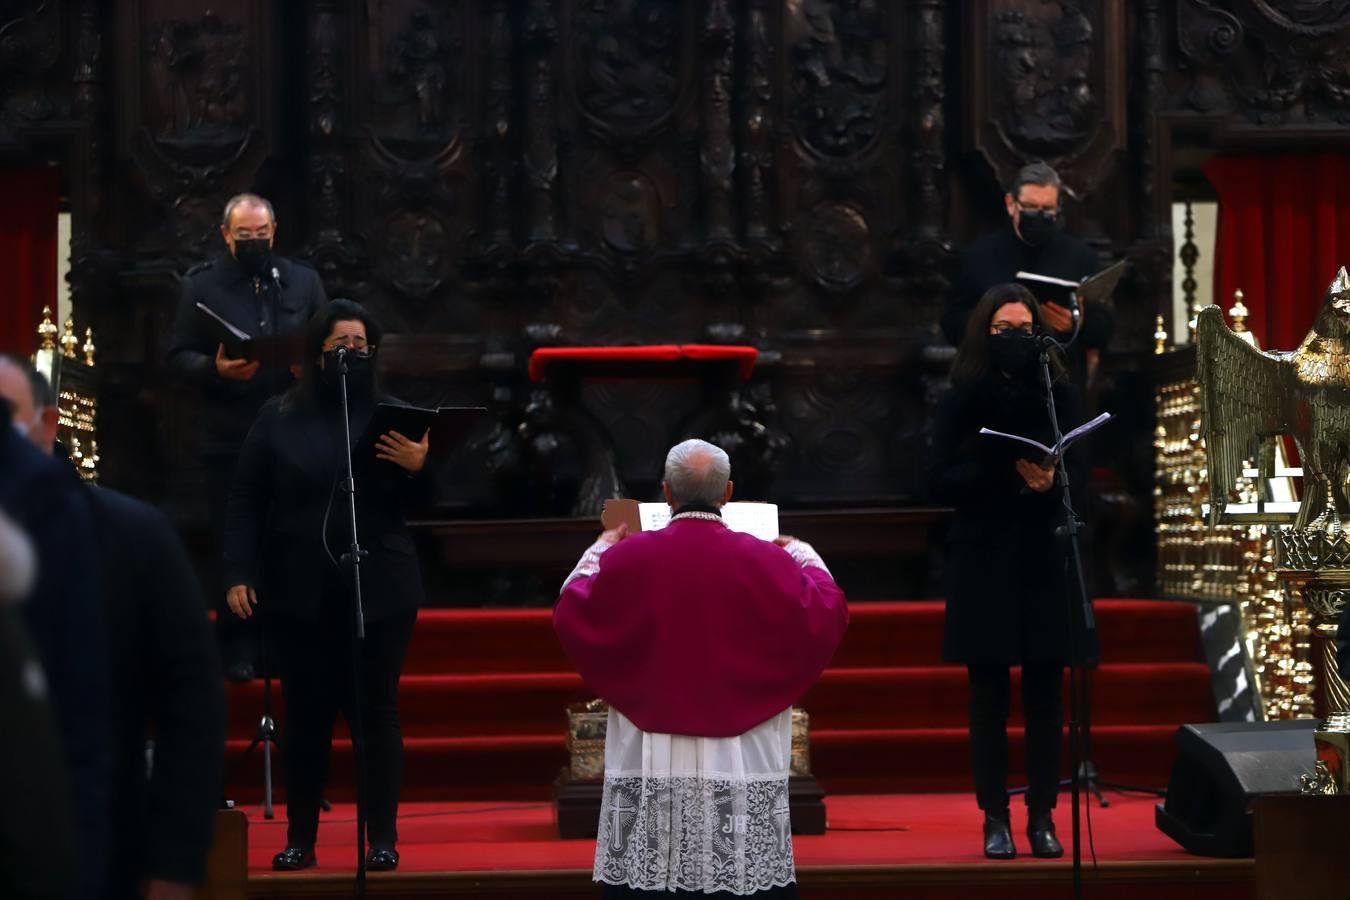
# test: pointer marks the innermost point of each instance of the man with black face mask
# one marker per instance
(262, 294)
(1033, 242)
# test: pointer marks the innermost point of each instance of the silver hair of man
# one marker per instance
(246, 199)
(697, 473)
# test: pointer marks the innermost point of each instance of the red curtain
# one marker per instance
(27, 254)
(1284, 230)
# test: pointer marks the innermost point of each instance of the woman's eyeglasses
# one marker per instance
(357, 346)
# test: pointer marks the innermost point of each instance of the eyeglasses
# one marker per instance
(1005, 327)
(357, 345)
(1050, 212)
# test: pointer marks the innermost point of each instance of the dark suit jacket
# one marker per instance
(64, 618)
(37, 830)
(247, 304)
(1005, 570)
(166, 685)
(285, 492)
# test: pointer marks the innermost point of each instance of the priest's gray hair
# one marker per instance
(239, 200)
(697, 473)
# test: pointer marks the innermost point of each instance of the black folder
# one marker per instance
(448, 424)
(279, 351)
(1096, 288)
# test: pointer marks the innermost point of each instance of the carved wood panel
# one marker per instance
(1050, 83)
(495, 175)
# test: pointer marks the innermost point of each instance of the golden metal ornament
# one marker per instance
(1160, 336)
(1231, 562)
(1250, 399)
(588, 723)
(1250, 395)
(47, 330)
(88, 346)
(68, 340)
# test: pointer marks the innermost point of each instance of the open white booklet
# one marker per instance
(759, 519)
(1058, 450)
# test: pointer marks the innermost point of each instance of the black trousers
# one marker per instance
(317, 682)
(238, 639)
(1042, 709)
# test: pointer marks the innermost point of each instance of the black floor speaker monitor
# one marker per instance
(1219, 769)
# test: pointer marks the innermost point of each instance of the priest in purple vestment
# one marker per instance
(700, 639)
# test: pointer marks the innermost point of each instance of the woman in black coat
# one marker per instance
(287, 525)
(1005, 569)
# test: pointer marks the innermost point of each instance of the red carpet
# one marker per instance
(916, 846)
(864, 829)
(484, 690)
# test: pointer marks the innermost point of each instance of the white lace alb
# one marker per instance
(696, 814)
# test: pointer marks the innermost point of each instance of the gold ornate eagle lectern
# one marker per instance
(1250, 395)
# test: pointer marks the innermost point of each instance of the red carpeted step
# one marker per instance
(484, 693)
(910, 633)
(479, 768)
(938, 696)
(470, 641)
(934, 697)
(938, 759)
(905, 633)
(450, 705)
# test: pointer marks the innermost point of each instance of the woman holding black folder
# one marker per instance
(287, 527)
(1005, 568)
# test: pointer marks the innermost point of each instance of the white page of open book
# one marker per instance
(759, 519)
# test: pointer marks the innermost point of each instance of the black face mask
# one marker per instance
(1013, 352)
(253, 255)
(1036, 227)
(360, 374)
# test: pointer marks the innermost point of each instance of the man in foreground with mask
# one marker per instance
(263, 295)
(1033, 242)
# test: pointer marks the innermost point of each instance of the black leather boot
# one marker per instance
(293, 859)
(382, 859)
(1041, 834)
(998, 839)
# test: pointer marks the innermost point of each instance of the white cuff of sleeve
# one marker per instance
(589, 563)
(805, 554)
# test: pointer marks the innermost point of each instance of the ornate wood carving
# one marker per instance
(1050, 84)
(541, 142)
(928, 253)
(30, 45)
(494, 175)
(757, 127)
(839, 66)
(201, 114)
(1271, 61)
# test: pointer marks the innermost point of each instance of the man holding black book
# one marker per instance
(267, 299)
(1034, 244)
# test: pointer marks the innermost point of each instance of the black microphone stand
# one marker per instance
(266, 735)
(353, 558)
(1080, 614)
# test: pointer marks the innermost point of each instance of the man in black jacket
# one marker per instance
(64, 614)
(164, 680)
(37, 833)
(262, 295)
(1033, 242)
